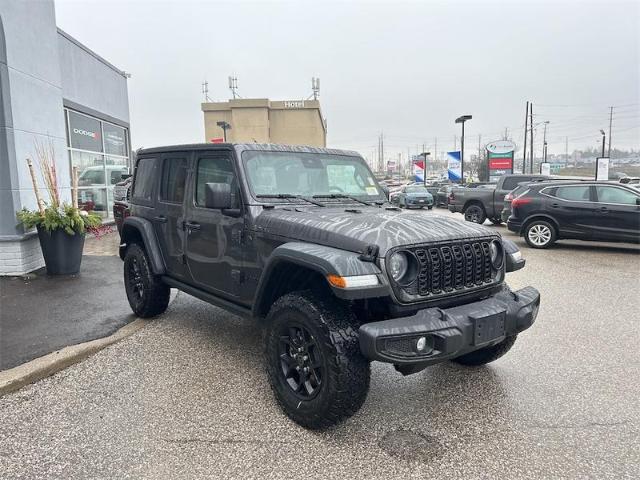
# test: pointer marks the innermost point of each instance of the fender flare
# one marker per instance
(142, 228)
(325, 261)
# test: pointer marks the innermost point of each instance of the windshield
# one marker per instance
(417, 189)
(309, 175)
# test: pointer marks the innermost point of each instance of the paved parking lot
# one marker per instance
(187, 397)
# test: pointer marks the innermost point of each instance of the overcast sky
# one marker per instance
(407, 69)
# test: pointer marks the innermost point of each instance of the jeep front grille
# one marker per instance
(451, 268)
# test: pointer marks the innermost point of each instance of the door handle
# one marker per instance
(604, 210)
(555, 205)
(192, 226)
(160, 219)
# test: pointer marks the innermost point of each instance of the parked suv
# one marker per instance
(549, 211)
(303, 241)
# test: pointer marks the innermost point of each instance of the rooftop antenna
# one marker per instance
(233, 86)
(205, 91)
(315, 86)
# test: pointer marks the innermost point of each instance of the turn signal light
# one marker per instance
(356, 281)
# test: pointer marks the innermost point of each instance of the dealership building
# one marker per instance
(54, 92)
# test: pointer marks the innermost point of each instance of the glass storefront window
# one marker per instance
(98, 172)
(115, 140)
(94, 199)
(84, 132)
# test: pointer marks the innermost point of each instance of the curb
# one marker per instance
(47, 365)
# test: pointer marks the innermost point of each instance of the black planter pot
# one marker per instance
(62, 252)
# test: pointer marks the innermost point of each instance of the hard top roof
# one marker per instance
(240, 147)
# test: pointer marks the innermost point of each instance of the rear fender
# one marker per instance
(140, 230)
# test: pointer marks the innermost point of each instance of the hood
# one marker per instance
(335, 227)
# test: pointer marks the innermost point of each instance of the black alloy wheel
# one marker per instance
(301, 361)
(475, 214)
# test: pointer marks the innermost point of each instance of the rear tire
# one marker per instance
(487, 354)
(540, 234)
(475, 213)
(148, 296)
(316, 332)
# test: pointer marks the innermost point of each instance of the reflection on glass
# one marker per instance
(93, 199)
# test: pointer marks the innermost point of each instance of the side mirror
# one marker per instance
(513, 257)
(217, 195)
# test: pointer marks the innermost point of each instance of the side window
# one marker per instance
(174, 177)
(577, 193)
(215, 170)
(144, 179)
(616, 195)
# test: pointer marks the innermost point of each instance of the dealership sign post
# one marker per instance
(602, 168)
(500, 158)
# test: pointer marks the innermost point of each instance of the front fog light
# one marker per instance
(421, 344)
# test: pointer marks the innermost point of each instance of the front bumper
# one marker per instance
(419, 202)
(450, 332)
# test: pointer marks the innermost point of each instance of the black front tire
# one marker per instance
(148, 296)
(339, 376)
(430, 207)
(487, 354)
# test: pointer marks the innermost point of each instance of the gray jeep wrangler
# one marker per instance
(303, 241)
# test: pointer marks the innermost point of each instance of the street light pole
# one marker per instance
(461, 120)
(544, 142)
(603, 141)
(224, 126)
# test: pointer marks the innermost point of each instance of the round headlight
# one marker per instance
(495, 249)
(398, 265)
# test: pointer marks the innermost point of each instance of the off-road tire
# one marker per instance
(543, 226)
(487, 354)
(346, 373)
(475, 213)
(154, 299)
(430, 208)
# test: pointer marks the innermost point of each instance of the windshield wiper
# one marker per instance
(290, 195)
(342, 195)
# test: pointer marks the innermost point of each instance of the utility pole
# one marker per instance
(435, 149)
(610, 122)
(544, 142)
(531, 139)
(524, 150)
(455, 143)
(566, 150)
(603, 141)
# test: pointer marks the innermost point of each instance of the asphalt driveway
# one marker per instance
(187, 397)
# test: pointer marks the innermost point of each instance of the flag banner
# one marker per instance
(418, 170)
(455, 167)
